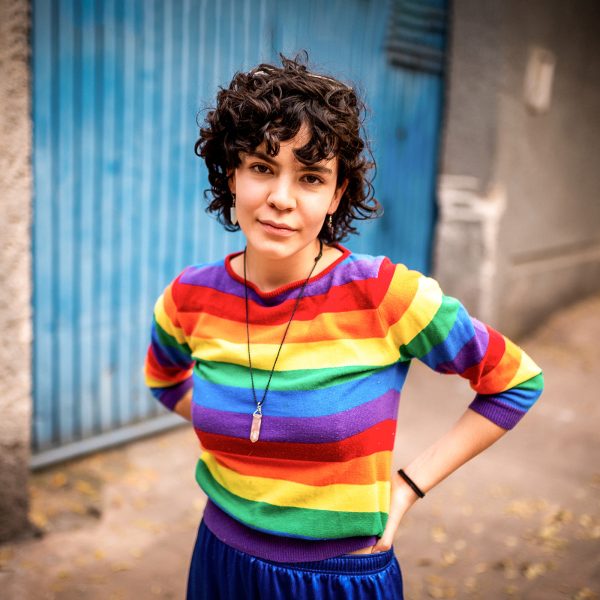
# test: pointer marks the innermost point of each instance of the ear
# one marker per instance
(231, 180)
(337, 197)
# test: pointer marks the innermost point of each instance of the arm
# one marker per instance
(169, 363)
(469, 436)
(184, 406)
(437, 330)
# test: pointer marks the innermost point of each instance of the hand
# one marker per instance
(402, 498)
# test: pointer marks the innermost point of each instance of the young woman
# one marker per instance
(289, 356)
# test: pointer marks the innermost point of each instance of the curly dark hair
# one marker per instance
(270, 104)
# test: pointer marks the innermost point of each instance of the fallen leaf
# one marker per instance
(438, 534)
(448, 558)
(534, 570)
(58, 480)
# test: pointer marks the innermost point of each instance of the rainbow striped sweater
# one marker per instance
(320, 472)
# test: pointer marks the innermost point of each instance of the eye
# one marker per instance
(313, 179)
(259, 168)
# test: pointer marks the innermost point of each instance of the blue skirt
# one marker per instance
(220, 572)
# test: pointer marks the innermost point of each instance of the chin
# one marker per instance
(274, 249)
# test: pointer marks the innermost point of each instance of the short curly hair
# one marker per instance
(270, 104)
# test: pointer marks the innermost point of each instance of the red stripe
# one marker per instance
(375, 439)
(493, 355)
(354, 295)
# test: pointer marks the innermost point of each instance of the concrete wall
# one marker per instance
(532, 170)
(15, 267)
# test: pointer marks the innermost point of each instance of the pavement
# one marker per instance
(520, 521)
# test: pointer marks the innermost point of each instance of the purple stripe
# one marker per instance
(215, 276)
(274, 547)
(170, 396)
(496, 411)
(310, 430)
(470, 354)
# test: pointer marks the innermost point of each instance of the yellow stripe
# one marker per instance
(419, 314)
(165, 322)
(527, 368)
(376, 351)
(307, 355)
(336, 497)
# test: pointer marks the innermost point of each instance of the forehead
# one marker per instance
(288, 148)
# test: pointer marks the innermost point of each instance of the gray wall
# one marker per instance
(15, 259)
(538, 169)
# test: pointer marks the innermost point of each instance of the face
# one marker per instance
(281, 203)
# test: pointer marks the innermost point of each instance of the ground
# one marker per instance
(521, 520)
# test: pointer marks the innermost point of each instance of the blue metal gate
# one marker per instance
(118, 205)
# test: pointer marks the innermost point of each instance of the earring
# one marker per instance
(330, 226)
(232, 211)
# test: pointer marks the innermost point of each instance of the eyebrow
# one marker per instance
(267, 158)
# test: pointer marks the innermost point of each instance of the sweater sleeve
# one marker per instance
(169, 365)
(438, 330)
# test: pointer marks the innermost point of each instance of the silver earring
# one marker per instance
(232, 211)
(330, 226)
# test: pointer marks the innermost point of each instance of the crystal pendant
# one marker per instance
(255, 429)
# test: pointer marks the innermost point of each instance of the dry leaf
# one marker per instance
(58, 480)
(460, 544)
(438, 534)
(585, 520)
(481, 567)
(448, 558)
(38, 518)
(85, 487)
(534, 570)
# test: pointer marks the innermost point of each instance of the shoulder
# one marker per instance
(194, 278)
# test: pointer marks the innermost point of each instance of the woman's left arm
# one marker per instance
(437, 330)
(469, 436)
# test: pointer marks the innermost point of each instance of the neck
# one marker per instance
(269, 274)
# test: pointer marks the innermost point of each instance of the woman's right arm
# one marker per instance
(169, 364)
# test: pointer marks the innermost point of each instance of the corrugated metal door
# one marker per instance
(118, 191)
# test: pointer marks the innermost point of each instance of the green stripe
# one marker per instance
(286, 520)
(535, 383)
(435, 332)
(167, 339)
(222, 373)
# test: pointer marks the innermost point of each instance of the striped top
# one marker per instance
(322, 466)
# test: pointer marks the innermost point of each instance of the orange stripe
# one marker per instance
(363, 470)
(329, 326)
(497, 379)
(399, 295)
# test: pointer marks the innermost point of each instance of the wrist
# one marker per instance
(409, 483)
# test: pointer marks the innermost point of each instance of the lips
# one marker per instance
(281, 226)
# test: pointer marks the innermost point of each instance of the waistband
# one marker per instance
(347, 564)
(277, 548)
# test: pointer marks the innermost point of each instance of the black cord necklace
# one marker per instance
(257, 414)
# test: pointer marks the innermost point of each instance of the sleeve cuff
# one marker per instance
(492, 408)
(170, 396)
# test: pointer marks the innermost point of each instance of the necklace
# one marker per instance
(257, 414)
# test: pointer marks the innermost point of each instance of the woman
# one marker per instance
(289, 356)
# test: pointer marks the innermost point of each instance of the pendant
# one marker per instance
(255, 429)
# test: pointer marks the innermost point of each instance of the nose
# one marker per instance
(282, 195)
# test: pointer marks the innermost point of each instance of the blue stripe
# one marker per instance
(310, 403)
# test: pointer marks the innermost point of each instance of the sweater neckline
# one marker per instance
(288, 286)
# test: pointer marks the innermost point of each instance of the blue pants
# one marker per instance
(220, 572)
